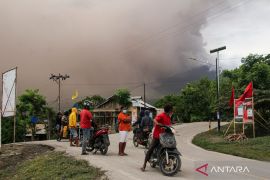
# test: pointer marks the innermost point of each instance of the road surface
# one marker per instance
(128, 167)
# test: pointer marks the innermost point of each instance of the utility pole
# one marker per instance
(217, 81)
(57, 79)
(49, 125)
(144, 95)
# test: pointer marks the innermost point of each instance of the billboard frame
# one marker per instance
(1, 112)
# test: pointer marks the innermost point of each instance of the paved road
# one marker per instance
(123, 168)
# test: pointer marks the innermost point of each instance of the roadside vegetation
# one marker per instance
(40, 162)
(253, 148)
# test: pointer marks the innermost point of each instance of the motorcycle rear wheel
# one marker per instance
(104, 149)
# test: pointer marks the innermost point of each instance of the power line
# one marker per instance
(194, 59)
(57, 79)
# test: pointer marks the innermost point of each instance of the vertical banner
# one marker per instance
(8, 103)
(9, 93)
(248, 111)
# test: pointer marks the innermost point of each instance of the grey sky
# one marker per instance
(244, 29)
(108, 44)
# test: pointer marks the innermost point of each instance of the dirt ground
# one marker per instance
(14, 154)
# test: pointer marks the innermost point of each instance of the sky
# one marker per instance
(104, 45)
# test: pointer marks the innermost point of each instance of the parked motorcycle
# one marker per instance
(166, 155)
(100, 141)
(140, 137)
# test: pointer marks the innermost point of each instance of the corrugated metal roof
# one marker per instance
(137, 101)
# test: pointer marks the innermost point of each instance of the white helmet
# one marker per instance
(87, 104)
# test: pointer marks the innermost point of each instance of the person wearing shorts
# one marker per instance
(73, 127)
(124, 121)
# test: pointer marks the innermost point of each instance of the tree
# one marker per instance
(96, 100)
(30, 104)
(196, 101)
(172, 99)
(123, 97)
(7, 130)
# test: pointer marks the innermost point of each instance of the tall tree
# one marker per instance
(31, 104)
(172, 99)
(123, 97)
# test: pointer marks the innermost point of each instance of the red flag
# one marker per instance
(248, 92)
(232, 98)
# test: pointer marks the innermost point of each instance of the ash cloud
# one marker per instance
(102, 45)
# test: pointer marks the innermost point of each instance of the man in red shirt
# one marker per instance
(86, 125)
(161, 119)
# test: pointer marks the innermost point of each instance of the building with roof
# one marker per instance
(107, 112)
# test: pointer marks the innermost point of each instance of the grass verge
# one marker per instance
(252, 148)
(54, 165)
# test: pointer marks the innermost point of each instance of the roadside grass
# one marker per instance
(252, 148)
(54, 165)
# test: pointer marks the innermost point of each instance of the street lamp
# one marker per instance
(217, 80)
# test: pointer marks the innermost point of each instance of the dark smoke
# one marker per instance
(102, 45)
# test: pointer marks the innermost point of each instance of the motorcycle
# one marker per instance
(140, 137)
(166, 155)
(100, 141)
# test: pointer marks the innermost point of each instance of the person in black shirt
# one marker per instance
(146, 124)
(59, 125)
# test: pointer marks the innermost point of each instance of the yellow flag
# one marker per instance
(75, 95)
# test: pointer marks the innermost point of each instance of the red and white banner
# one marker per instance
(243, 105)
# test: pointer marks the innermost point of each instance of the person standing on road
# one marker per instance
(73, 127)
(146, 124)
(116, 124)
(64, 124)
(59, 126)
(86, 125)
(138, 128)
(162, 119)
(124, 121)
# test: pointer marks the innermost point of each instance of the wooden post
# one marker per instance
(253, 114)
(49, 126)
(244, 109)
(228, 127)
(1, 127)
(14, 135)
(14, 129)
(234, 116)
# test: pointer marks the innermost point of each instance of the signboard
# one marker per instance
(34, 119)
(249, 113)
(9, 93)
(240, 111)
